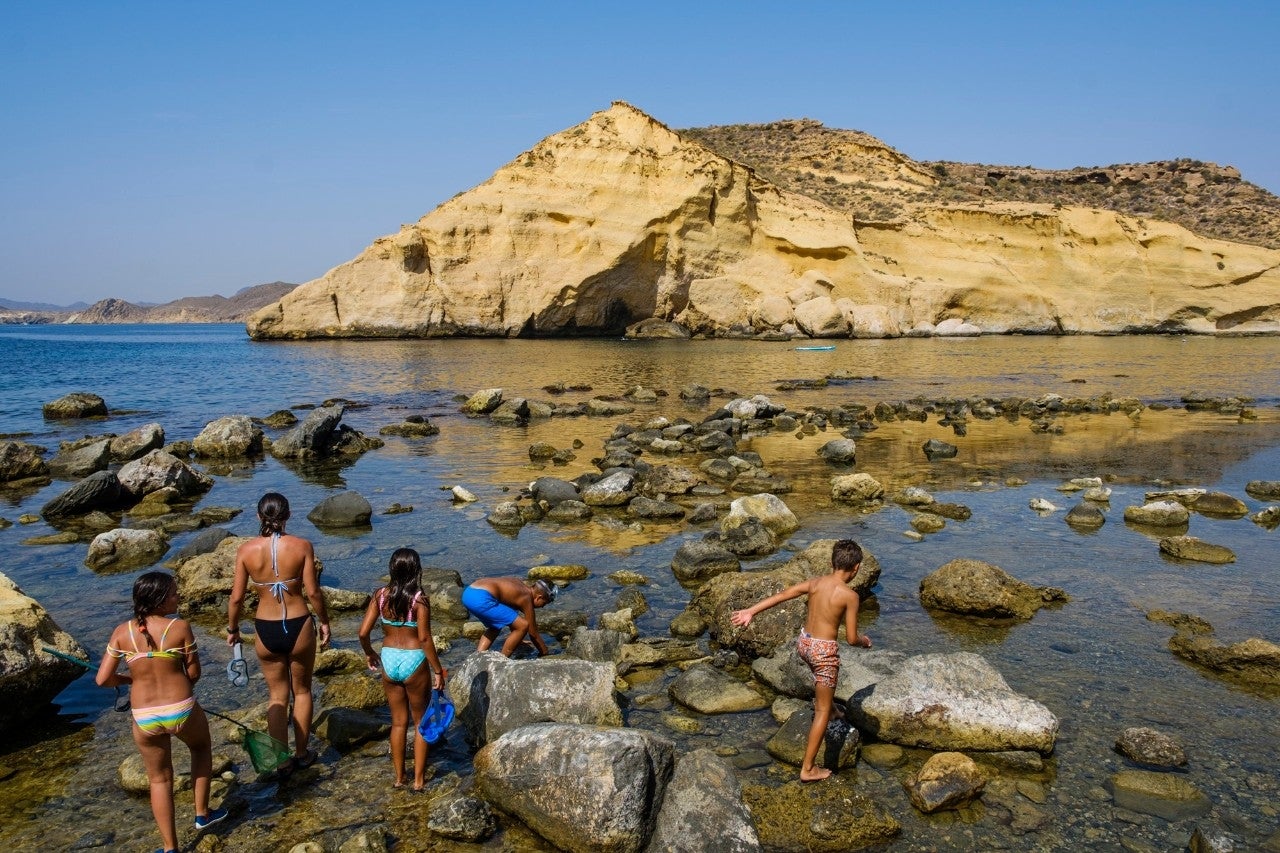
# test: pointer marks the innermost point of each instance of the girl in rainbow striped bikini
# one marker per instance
(163, 664)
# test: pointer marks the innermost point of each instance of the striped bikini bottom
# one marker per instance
(164, 719)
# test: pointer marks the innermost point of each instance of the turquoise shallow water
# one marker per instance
(1097, 662)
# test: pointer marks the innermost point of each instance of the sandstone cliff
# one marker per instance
(620, 220)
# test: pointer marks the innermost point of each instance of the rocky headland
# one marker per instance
(189, 309)
(623, 225)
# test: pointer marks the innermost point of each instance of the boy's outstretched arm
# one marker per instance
(851, 635)
(742, 618)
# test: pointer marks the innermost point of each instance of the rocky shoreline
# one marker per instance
(608, 784)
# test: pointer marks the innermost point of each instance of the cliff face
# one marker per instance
(621, 219)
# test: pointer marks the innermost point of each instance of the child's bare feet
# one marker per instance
(817, 774)
(399, 783)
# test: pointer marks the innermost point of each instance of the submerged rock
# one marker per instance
(1165, 795)
(1148, 746)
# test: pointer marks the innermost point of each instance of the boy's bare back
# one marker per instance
(830, 601)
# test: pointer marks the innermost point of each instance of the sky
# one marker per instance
(154, 150)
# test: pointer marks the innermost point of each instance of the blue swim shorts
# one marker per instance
(481, 604)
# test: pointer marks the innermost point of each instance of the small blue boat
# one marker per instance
(815, 349)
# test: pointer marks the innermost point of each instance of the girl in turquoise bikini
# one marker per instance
(406, 645)
(160, 653)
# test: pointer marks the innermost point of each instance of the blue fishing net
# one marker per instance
(438, 716)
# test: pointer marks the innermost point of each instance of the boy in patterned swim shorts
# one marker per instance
(830, 601)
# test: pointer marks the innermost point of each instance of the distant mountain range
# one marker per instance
(189, 309)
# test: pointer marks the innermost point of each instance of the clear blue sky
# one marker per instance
(163, 149)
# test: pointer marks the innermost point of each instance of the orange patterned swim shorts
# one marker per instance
(823, 657)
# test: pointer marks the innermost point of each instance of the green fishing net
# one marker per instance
(265, 752)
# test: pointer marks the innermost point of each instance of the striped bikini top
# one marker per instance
(382, 603)
(179, 653)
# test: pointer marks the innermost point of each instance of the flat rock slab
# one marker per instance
(807, 817)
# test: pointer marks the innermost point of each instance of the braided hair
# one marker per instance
(149, 592)
(273, 512)
(406, 583)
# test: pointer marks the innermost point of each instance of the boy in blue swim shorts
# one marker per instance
(501, 602)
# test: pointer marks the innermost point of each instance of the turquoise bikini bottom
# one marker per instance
(399, 664)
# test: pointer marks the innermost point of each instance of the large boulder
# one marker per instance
(587, 789)
(137, 443)
(787, 673)
(81, 458)
(79, 404)
(955, 702)
(311, 437)
(345, 509)
(29, 676)
(160, 470)
(97, 491)
(716, 600)
(494, 695)
(229, 437)
(697, 560)
(124, 548)
(204, 580)
(859, 489)
(768, 509)
(553, 490)
(702, 809)
(614, 490)
(975, 588)
(821, 318)
(19, 460)
(668, 480)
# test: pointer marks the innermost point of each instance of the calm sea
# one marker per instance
(1097, 662)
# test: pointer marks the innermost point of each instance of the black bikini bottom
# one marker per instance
(280, 636)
